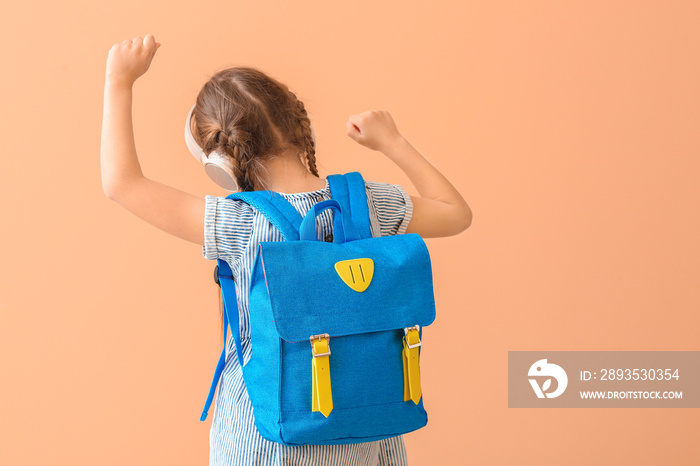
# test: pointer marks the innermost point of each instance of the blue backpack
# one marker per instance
(335, 327)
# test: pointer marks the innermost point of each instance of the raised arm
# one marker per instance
(439, 210)
(167, 208)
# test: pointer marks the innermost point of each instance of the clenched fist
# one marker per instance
(374, 129)
(130, 59)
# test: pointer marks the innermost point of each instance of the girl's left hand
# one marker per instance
(130, 59)
(374, 129)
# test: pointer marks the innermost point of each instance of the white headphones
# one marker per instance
(217, 165)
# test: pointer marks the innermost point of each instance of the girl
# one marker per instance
(263, 134)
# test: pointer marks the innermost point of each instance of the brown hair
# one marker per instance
(251, 116)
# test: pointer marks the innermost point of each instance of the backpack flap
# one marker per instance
(361, 286)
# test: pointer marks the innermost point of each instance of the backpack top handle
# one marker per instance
(343, 228)
(350, 192)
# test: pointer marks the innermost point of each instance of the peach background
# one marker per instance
(570, 127)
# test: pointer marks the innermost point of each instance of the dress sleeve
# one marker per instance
(390, 208)
(227, 227)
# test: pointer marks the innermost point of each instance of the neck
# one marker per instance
(286, 173)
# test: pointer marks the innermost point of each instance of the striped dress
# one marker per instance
(232, 231)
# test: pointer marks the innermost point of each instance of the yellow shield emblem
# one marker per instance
(356, 273)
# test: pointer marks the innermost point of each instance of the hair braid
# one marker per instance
(236, 145)
(306, 135)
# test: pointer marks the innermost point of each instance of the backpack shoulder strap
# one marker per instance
(287, 220)
(224, 278)
(276, 209)
(349, 191)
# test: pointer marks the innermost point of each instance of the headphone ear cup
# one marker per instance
(219, 168)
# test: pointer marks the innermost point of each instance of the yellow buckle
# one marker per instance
(411, 364)
(414, 336)
(324, 336)
(322, 396)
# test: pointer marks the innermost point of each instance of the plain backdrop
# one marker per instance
(571, 129)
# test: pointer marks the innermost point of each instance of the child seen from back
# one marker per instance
(265, 136)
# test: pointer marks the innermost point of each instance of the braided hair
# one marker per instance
(251, 116)
(305, 136)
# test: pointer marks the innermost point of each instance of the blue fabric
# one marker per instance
(295, 292)
(228, 292)
(287, 220)
(277, 210)
(230, 311)
(232, 232)
(308, 297)
(343, 228)
(349, 191)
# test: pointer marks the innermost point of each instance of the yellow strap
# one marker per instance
(406, 391)
(411, 367)
(321, 386)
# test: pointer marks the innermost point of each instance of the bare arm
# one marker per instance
(439, 210)
(169, 209)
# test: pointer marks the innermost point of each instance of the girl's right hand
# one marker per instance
(374, 129)
(130, 59)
